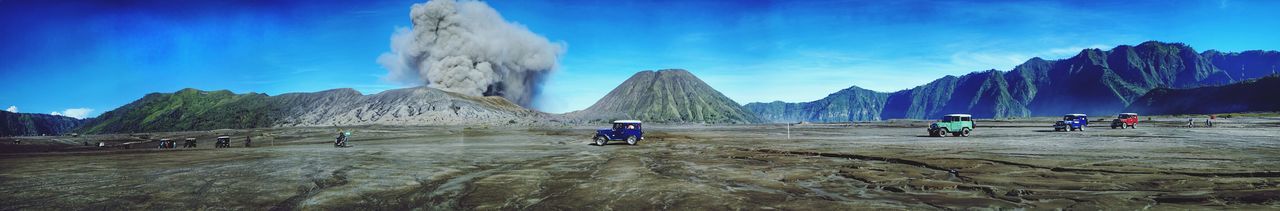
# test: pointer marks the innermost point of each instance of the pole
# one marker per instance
(788, 131)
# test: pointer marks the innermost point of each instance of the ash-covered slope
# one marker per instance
(1247, 96)
(1093, 81)
(670, 96)
(410, 106)
(191, 109)
(29, 124)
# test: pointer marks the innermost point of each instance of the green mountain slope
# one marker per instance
(187, 109)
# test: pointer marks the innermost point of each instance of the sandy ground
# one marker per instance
(887, 165)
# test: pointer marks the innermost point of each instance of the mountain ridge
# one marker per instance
(1230, 98)
(668, 95)
(1092, 81)
(193, 109)
(32, 124)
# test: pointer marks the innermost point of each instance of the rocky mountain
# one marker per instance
(191, 109)
(411, 106)
(1247, 96)
(670, 96)
(850, 104)
(1093, 81)
(28, 124)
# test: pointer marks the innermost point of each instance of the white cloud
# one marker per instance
(78, 113)
(13, 109)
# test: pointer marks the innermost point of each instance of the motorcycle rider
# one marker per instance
(341, 141)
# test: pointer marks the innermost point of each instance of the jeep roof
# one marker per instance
(627, 121)
(1076, 115)
(1132, 114)
(959, 115)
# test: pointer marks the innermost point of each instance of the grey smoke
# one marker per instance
(465, 46)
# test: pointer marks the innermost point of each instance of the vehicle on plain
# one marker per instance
(622, 130)
(223, 142)
(953, 124)
(1072, 122)
(1129, 120)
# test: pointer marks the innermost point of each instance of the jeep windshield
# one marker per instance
(1125, 116)
(1069, 117)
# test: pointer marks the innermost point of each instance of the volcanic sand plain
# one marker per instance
(880, 165)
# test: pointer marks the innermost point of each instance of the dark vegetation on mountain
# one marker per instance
(671, 96)
(1093, 81)
(187, 109)
(1248, 96)
(28, 124)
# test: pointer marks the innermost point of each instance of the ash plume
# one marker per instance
(465, 46)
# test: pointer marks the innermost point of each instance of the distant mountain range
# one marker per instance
(670, 96)
(191, 109)
(1253, 95)
(1153, 77)
(28, 124)
(1093, 81)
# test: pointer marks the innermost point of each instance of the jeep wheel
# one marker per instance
(599, 141)
(943, 133)
(1113, 127)
(1133, 126)
(964, 132)
(631, 140)
(1081, 128)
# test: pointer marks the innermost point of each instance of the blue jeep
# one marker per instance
(628, 130)
(1072, 122)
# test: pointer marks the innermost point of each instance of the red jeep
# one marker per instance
(1125, 120)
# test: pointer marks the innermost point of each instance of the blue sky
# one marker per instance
(100, 54)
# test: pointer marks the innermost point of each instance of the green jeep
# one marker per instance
(955, 124)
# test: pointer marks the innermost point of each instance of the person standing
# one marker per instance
(247, 141)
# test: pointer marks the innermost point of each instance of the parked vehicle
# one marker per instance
(1072, 122)
(1129, 120)
(953, 124)
(628, 130)
(164, 143)
(223, 142)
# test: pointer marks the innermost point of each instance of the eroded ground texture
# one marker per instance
(888, 165)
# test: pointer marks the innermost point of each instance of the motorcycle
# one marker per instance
(341, 141)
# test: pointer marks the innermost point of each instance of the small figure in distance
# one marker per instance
(341, 141)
